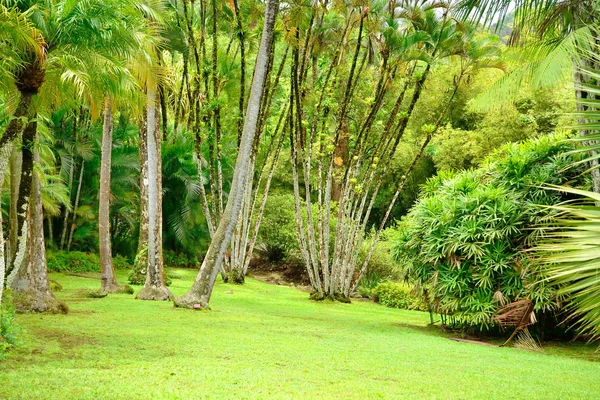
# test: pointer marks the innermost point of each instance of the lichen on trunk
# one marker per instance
(154, 286)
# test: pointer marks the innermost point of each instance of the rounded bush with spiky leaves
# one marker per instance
(466, 237)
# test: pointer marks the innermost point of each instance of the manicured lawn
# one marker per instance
(266, 341)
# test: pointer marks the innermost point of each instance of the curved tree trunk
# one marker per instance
(199, 295)
(108, 280)
(154, 288)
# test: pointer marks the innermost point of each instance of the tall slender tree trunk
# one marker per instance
(65, 227)
(199, 295)
(154, 288)
(341, 159)
(138, 273)
(2, 247)
(108, 281)
(43, 299)
(76, 206)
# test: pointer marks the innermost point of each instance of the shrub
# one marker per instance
(465, 237)
(76, 261)
(382, 265)
(397, 295)
(179, 260)
(9, 330)
(277, 234)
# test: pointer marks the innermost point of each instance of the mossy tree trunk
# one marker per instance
(137, 276)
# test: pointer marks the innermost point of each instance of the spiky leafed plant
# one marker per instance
(464, 240)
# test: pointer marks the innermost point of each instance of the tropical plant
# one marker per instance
(570, 252)
(345, 164)
(465, 239)
(553, 38)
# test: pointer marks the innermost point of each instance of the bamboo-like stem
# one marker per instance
(76, 206)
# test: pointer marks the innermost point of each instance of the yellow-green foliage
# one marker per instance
(398, 295)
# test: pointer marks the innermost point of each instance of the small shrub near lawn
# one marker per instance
(397, 295)
(77, 261)
(382, 266)
(179, 260)
(9, 331)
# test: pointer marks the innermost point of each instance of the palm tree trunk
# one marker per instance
(240, 33)
(138, 273)
(154, 288)
(30, 279)
(41, 297)
(16, 161)
(14, 129)
(19, 277)
(199, 295)
(107, 276)
(2, 246)
(76, 205)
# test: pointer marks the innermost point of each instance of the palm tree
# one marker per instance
(70, 43)
(199, 295)
(552, 35)
(571, 251)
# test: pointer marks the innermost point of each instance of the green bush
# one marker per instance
(9, 330)
(382, 266)
(465, 238)
(397, 295)
(277, 234)
(76, 261)
(179, 260)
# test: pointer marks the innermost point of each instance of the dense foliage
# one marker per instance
(77, 261)
(465, 237)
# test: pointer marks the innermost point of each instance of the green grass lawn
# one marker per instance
(266, 341)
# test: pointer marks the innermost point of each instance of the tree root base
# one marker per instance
(335, 297)
(236, 277)
(156, 293)
(191, 300)
(117, 289)
(38, 302)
